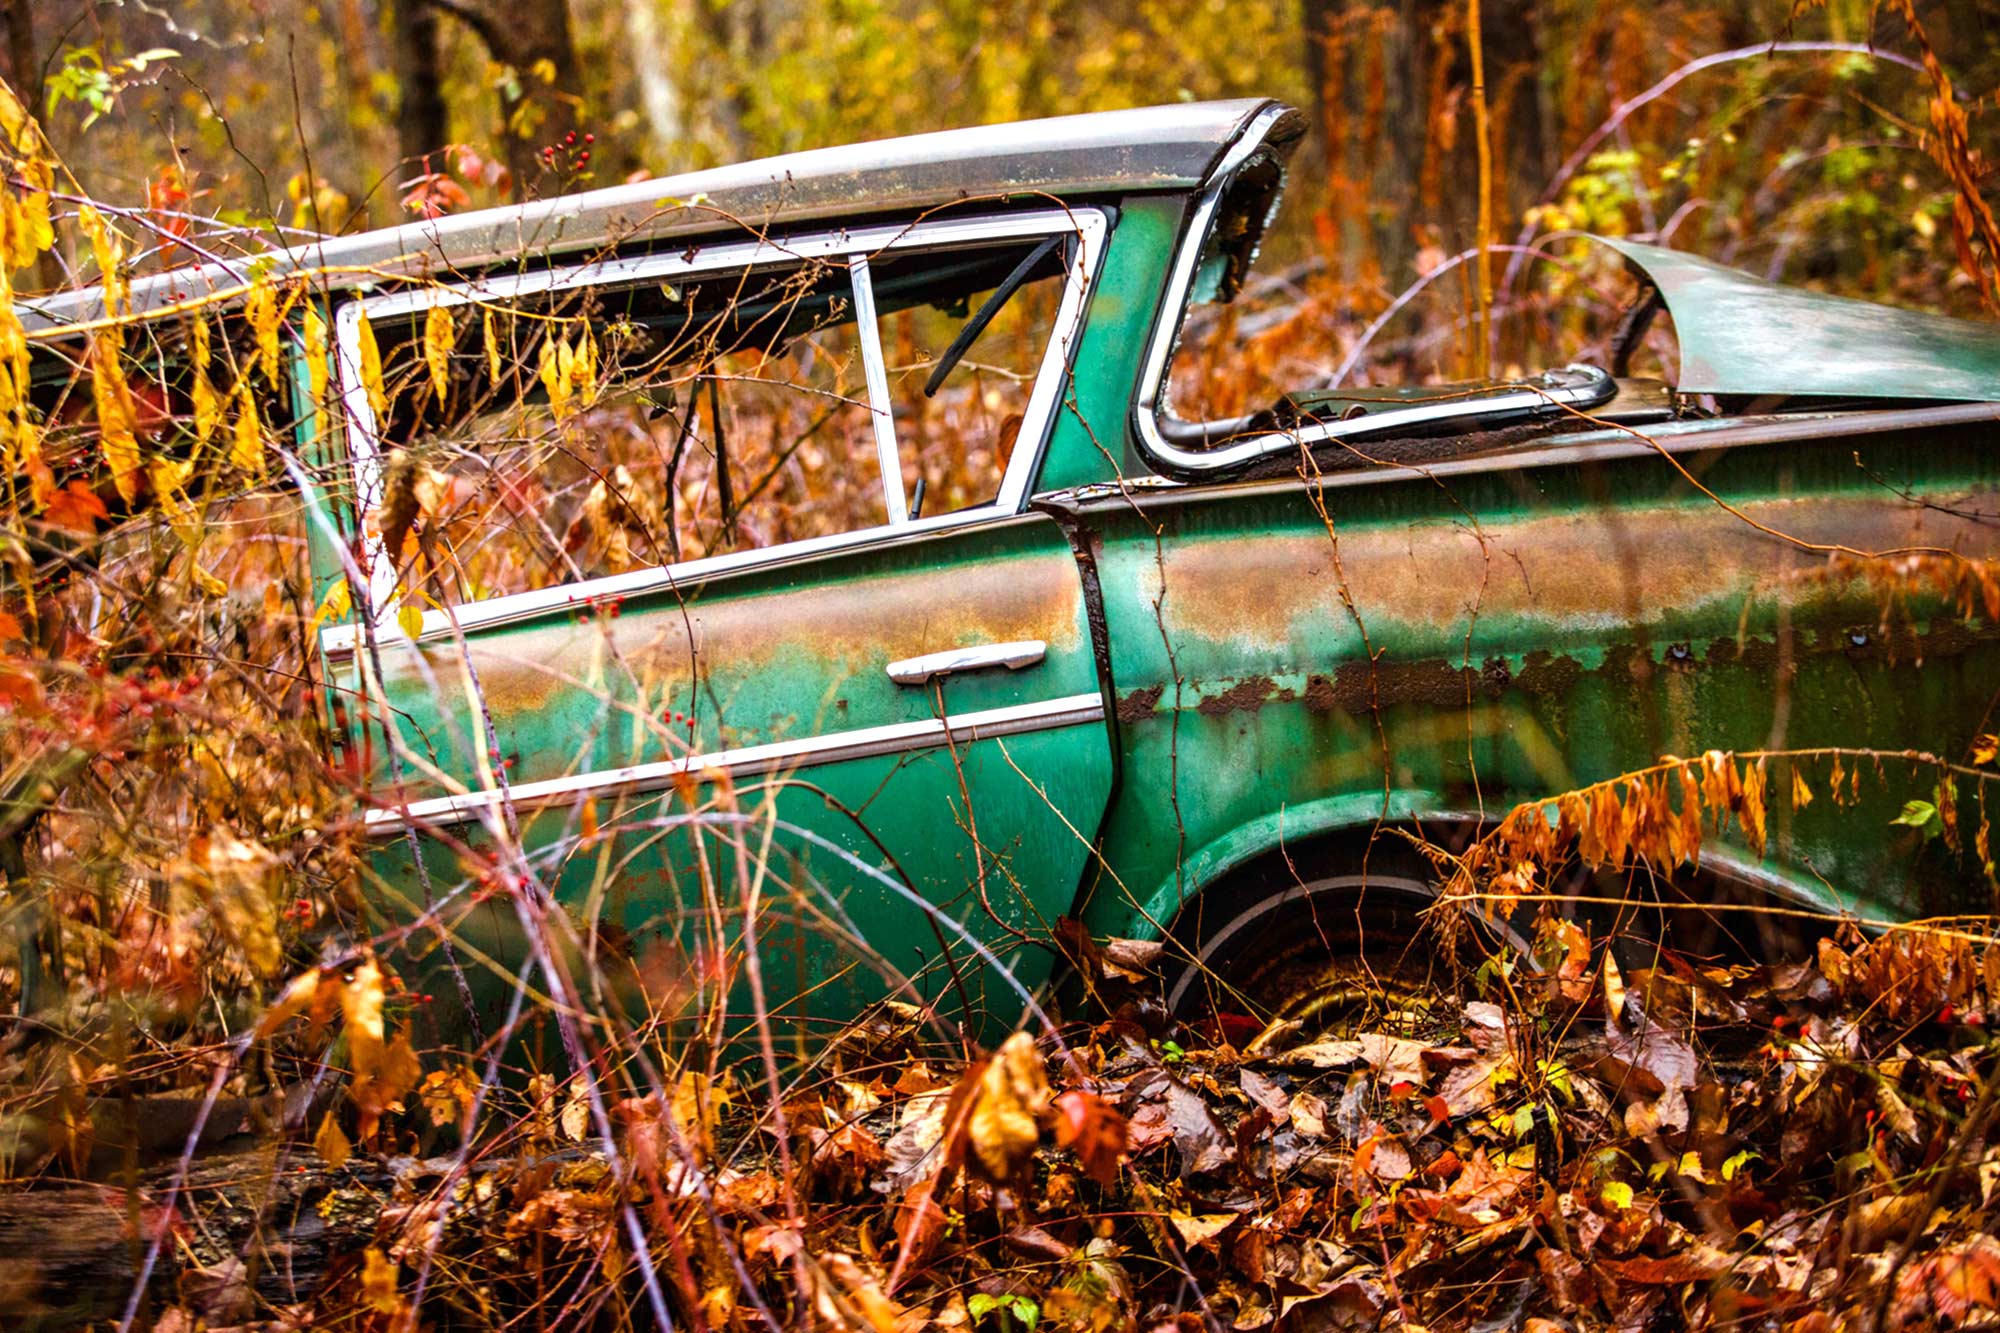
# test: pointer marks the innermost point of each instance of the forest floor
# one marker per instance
(1803, 1147)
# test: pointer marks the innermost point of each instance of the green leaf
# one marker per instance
(982, 1305)
(1920, 815)
(1737, 1163)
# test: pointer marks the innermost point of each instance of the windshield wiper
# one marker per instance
(984, 315)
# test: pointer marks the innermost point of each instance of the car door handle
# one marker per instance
(1013, 656)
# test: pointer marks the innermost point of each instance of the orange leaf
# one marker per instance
(76, 508)
(1092, 1127)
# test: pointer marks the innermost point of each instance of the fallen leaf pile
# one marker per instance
(1804, 1147)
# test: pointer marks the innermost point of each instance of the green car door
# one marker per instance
(653, 634)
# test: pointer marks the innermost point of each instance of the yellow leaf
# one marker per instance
(1802, 795)
(331, 1143)
(207, 402)
(246, 445)
(448, 1093)
(260, 308)
(381, 1087)
(371, 369)
(1200, 1228)
(1752, 812)
(439, 337)
(1617, 1194)
(1012, 1092)
(314, 336)
(334, 606)
(1614, 986)
(554, 375)
(14, 361)
(113, 399)
(492, 348)
(361, 1005)
(410, 619)
(41, 478)
(295, 999)
(108, 249)
(1985, 748)
(378, 1283)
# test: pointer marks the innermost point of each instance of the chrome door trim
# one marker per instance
(922, 670)
(751, 760)
(1088, 224)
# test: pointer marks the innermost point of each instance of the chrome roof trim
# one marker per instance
(752, 760)
(1089, 224)
(1101, 155)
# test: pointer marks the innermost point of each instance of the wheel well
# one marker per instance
(1722, 908)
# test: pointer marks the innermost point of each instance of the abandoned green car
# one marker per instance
(814, 546)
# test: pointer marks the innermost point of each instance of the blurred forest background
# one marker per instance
(1798, 138)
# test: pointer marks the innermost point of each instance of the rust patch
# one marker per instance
(859, 621)
(1548, 676)
(1434, 683)
(1140, 703)
(1616, 565)
(1320, 695)
(1245, 696)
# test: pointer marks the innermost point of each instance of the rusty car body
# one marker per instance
(1174, 679)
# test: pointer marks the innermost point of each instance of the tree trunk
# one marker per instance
(544, 102)
(24, 67)
(1389, 88)
(421, 124)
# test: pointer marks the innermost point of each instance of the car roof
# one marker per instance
(1103, 153)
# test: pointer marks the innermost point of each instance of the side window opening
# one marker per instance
(627, 427)
(553, 438)
(958, 433)
(1257, 363)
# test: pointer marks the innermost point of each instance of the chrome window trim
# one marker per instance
(752, 760)
(1090, 225)
(1601, 445)
(1173, 310)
